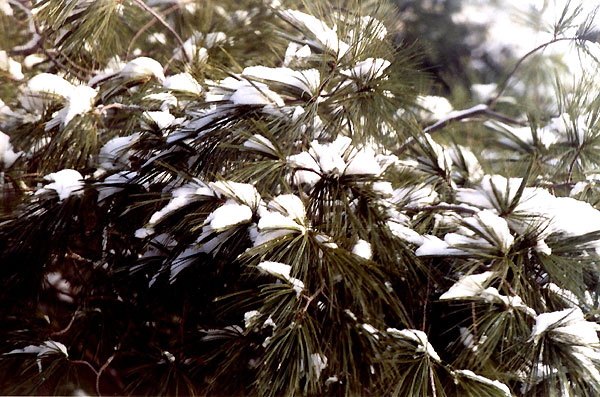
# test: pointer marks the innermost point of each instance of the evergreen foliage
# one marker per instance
(255, 198)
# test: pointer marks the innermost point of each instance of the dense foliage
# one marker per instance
(256, 198)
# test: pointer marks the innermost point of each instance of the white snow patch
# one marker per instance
(162, 119)
(143, 67)
(416, 336)
(48, 347)
(244, 193)
(468, 286)
(64, 183)
(115, 153)
(250, 318)
(7, 155)
(80, 100)
(363, 249)
(9, 65)
(261, 144)
(324, 37)
(308, 80)
(482, 379)
(369, 69)
(318, 363)
(229, 214)
(181, 197)
(434, 246)
(282, 270)
(568, 325)
(183, 82)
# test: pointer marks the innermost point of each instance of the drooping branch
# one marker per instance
(504, 84)
(460, 115)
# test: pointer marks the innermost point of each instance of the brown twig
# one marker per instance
(87, 364)
(424, 323)
(432, 208)
(309, 299)
(120, 106)
(147, 26)
(68, 327)
(99, 373)
(474, 320)
(160, 19)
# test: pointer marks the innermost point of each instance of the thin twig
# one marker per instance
(120, 106)
(432, 208)
(474, 320)
(99, 373)
(574, 161)
(424, 323)
(504, 84)
(87, 364)
(68, 327)
(160, 19)
(311, 298)
(147, 26)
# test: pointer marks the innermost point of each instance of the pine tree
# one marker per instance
(256, 198)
